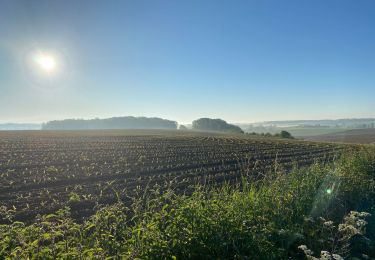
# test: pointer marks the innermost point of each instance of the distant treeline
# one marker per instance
(127, 122)
(217, 125)
(282, 134)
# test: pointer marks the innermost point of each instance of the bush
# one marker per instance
(285, 134)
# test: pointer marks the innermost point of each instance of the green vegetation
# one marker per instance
(309, 213)
(217, 125)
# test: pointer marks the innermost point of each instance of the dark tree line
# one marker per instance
(127, 122)
(282, 134)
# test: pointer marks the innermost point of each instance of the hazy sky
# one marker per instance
(242, 61)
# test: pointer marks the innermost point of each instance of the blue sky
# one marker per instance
(242, 61)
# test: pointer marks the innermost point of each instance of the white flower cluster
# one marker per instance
(324, 255)
(354, 224)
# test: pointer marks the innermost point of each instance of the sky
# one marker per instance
(242, 61)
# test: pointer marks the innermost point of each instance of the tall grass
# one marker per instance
(308, 213)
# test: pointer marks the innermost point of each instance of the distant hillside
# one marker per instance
(302, 128)
(218, 125)
(16, 126)
(360, 136)
(127, 122)
(346, 122)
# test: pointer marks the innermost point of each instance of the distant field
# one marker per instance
(361, 136)
(42, 171)
(311, 131)
(300, 131)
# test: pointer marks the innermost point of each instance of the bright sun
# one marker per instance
(46, 62)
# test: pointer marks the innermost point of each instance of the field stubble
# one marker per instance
(44, 171)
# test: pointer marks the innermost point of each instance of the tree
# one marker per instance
(285, 134)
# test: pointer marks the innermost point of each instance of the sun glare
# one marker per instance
(46, 68)
(46, 62)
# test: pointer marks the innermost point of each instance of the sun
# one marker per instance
(47, 67)
(46, 62)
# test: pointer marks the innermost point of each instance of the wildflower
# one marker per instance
(305, 250)
(328, 223)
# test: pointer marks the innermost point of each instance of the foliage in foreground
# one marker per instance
(323, 212)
